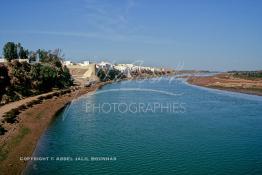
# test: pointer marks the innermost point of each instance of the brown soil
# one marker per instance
(7, 107)
(228, 82)
(21, 137)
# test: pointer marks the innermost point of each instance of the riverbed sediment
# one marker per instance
(226, 82)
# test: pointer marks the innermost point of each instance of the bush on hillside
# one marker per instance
(2, 130)
(21, 79)
(10, 117)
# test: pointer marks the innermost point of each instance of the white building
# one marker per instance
(2, 60)
(67, 63)
(132, 67)
(120, 67)
(86, 62)
(23, 60)
(104, 65)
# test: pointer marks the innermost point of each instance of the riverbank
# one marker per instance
(21, 137)
(227, 82)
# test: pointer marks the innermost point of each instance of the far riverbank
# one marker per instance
(226, 82)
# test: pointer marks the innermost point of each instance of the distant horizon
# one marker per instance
(195, 35)
(178, 67)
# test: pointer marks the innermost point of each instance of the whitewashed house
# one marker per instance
(2, 60)
(104, 65)
(23, 60)
(126, 69)
(86, 62)
(120, 67)
(67, 63)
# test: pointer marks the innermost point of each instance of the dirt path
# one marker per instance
(12, 105)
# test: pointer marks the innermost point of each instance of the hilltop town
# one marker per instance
(81, 72)
(88, 71)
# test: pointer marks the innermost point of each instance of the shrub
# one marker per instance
(37, 101)
(56, 94)
(41, 98)
(22, 107)
(114, 74)
(4, 79)
(18, 80)
(29, 104)
(2, 130)
(10, 117)
(101, 75)
(49, 96)
(33, 102)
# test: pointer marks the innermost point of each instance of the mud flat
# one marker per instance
(228, 82)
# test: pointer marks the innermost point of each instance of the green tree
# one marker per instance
(64, 77)
(51, 57)
(114, 74)
(43, 55)
(32, 56)
(10, 51)
(48, 75)
(36, 81)
(20, 78)
(23, 54)
(4, 79)
(101, 75)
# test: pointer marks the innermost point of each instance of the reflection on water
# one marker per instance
(219, 133)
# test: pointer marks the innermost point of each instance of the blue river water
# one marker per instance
(154, 127)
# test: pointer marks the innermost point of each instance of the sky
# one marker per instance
(215, 35)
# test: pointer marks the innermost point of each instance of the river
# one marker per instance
(154, 127)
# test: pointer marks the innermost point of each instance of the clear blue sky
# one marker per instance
(197, 34)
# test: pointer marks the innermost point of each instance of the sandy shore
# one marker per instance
(21, 137)
(228, 83)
